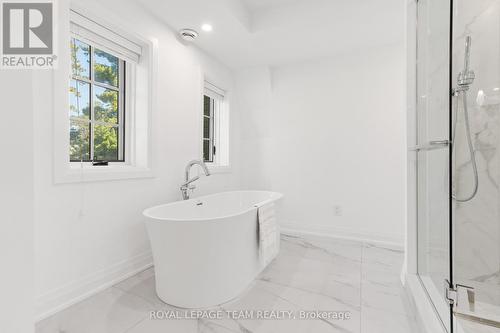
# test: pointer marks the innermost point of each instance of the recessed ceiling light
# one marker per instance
(207, 27)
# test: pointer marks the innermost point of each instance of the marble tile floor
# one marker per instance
(469, 326)
(310, 274)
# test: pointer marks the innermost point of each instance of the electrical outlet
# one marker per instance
(337, 210)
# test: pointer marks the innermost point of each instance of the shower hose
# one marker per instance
(468, 134)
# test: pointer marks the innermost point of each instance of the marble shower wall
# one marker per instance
(477, 222)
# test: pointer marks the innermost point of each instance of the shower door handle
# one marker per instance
(439, 143)
(431, 145)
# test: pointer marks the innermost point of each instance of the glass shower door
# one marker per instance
(433, 151)
(476, 215)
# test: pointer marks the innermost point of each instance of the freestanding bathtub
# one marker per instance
(206, 250)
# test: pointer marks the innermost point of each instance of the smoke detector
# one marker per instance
(188, 35)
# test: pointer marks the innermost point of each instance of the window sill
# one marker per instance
(77, 173)
(215, 168)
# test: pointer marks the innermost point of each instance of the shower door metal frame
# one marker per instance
(450, 282)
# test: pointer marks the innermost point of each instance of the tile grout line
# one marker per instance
(134, 295)
(305, 291)
(130, 293)
(136, 324)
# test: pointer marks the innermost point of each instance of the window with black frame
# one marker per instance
(208, 129)
(97, 104)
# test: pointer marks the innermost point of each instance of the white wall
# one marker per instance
(16, 202)
(335, 137)
(89, 234)
(254, 102)
(325, 133)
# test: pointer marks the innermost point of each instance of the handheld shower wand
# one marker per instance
(468, 40)
(464, 81)
(466, 76)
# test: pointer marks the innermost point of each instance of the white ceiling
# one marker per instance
(255, 5)
(276, 32)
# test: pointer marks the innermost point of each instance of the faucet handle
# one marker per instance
(188, 187)
(188, 182)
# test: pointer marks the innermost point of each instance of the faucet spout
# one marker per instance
(187, 186)
(196, 162)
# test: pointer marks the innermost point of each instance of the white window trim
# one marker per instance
(222, 163)
(106, 39)
(141, 104)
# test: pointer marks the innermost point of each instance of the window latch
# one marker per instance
(100, 163)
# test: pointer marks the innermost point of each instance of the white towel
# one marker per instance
(268, 233)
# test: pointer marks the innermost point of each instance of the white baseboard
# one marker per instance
(390, 241)
(63, 297)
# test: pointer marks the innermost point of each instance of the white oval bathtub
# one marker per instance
(206, 250)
